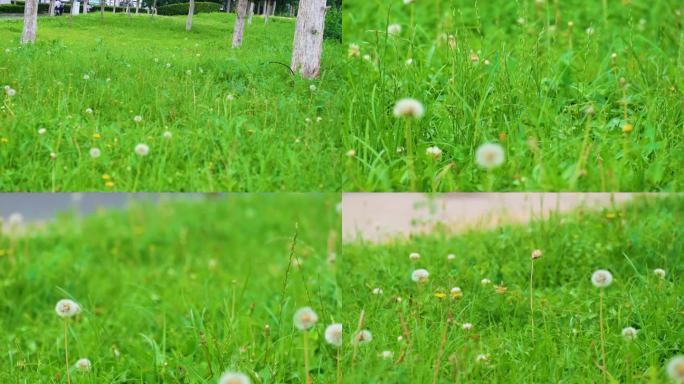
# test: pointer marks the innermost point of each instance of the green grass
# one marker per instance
(629, 241)
(261, 141)
(531, 97)
(151, 278)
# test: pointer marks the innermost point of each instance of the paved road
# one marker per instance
(35, 207)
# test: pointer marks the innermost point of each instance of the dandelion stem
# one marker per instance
(532, 299)
(603, 341)
(409, 156)
(339, 366)
(66, 352)
(440, 350)
(306, 358)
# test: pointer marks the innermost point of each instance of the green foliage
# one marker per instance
(152, 278)
(508, 72)
(333, 24)
(629, 241)
(269, 138)
(183, 8)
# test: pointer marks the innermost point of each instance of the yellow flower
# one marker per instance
(610, 215)
(4, 140)
(440, 295)
(627, 128)
(97, 136)
(106, 177)
(109, 184)
(456, 293)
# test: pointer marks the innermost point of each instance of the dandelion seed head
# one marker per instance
(420, 276)
(333, 334)
(167, 135)
(364, 336)
(351, 153)
(377, 291)
(490, 155)
(234, 378)
(142, 150)
(312, 88)
(387, 355)
(629, 333)
(433, 152)
(409, 61)
(467, 326)
(305, 318)
(83, 365)
(89, 110)
(659, 272)
(537, 253)
(485, 281)
(675, 368)
(393, 29)
(456, 293)
(481, 358)
(86, 77)
(354, 50)
(15, 219)
(67, 308)
(414, 256)
(601, 278)
(137, 118)
(451, 257)
(95, 153)
(409, 108)
(42, 131)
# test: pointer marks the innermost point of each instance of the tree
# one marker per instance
(251, 12)
(85, 6)
(308, 40)
(239, 27)
(267, 10)
(28, 35)
(52, 7)
(137, 6)
(191, 11)
(102, 5)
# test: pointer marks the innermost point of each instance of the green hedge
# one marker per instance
(183, 8)
(96, 8)
(333, 24)
(11, 8)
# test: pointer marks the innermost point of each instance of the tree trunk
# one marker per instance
(267, 11)
(239, 27)
(251, 12)
(28, 35)
(292, 10)
(154, 8)
(229, 3)
(128, 9)
(52, 7)
(137, 6)
(85, 7)
(308, 40)
(273, 7)
(102, 6)
(114, 8)
(191, 11)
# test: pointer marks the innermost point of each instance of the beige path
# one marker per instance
(378, 217)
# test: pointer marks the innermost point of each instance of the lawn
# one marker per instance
(579, 97)
(213, 118)
(413, 335)
(174, 292)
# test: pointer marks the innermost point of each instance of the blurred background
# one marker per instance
(380, 217)
(40, 207)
